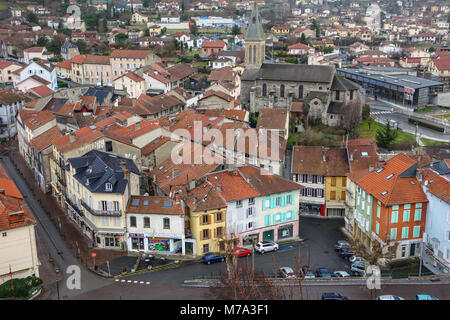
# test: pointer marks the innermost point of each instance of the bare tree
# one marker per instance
(242, 282)
(351, 113)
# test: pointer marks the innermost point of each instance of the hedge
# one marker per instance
(23, 288)
(426, 125)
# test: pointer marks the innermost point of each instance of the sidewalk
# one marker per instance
(69, 232)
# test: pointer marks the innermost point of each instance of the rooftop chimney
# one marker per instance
(123, 165)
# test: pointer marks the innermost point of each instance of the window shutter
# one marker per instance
(100, 205)
(201, 235)
(215, 233)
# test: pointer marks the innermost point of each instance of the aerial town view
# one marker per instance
(214, 150)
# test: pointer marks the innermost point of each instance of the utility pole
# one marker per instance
(253, 255)
(57, 287)
(12, 283)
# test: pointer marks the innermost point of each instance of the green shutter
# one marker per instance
(417, 214)
(393, 233)
(416, 232)
(378, 211)
(267, 220)
(405, 215)
(405, 232)
(418, 205)
(394, 218)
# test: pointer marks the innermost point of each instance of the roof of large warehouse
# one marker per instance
(402, 80)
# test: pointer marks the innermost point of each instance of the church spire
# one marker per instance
(255, 30)
(255, 43)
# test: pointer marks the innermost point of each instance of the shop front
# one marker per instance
(274, 233)
(150, 243)
(110, 240)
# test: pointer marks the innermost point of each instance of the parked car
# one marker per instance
(323, 273)
(341, 244)
(341, 274)
(346, 253)
(424, 297)
(355, 259)
(242, 252)
(209, 258)
(309, 275)
(287, 272)
(358, 269)
(333, 296)
(389, 297)
(266, 246)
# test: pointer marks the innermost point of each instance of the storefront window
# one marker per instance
(247, 241)
(285, 232)
(137, 243)
(158, 244)
(112, 241)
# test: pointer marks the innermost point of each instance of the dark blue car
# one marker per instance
(209, 258)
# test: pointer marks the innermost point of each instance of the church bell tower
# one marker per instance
(255, 43)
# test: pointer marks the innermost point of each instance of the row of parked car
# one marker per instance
(261, 247)
(338, 296)
(358, 264)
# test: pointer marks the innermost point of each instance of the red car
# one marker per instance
(241, 252)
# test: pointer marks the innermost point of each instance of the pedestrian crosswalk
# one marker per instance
(132, 281)
(380, 112)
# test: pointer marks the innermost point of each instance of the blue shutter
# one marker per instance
(267, 220)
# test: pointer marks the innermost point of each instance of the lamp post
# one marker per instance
(421, 253)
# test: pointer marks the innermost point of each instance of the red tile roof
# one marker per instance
(394, 184)
(436, 185)
(231, 185)
(139, 54)
(46, 139)
(42, 91)
(213, 44)
(35, 119)
(14, 213)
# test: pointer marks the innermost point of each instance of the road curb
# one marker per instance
(172, 265)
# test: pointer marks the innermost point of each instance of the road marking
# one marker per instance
(123, 280)
(135, 281)
(147, 283)
(129, 281)
(117, 280)
(381, 112)
(141, 282)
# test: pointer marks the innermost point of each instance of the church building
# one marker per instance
(278, 85)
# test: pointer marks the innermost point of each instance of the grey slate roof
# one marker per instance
(255, 30)
(99, 93)
(96, 168)
(440, 167)
(342, 84)
(291, 72)
(335, 107)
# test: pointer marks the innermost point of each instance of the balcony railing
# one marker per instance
(107, 213)
(73, 206)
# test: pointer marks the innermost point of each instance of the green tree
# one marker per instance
(120, 38)
(236, 30)
(82, 46)
(91, 22)
(32, 17)
(386, 136)
(303, 38)
(42, 41)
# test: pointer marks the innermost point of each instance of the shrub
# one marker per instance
(23, 287)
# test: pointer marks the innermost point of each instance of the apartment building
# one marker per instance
(123, 61)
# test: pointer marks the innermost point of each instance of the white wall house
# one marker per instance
(45, 71)
(10, 103)
(155, 225)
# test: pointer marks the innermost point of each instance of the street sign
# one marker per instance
(409, 90)
(94, 255)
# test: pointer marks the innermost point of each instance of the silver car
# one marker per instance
(266, 246)
(389, 297)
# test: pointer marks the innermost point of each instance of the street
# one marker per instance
(54, 244)
(384, 114)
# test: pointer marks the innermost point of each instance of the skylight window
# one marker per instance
(145, 202)
(379, 170)
(364, 154)
(389, 176)
(135, 202)
(384, 193)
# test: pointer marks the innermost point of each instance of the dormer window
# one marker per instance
(108, 186)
